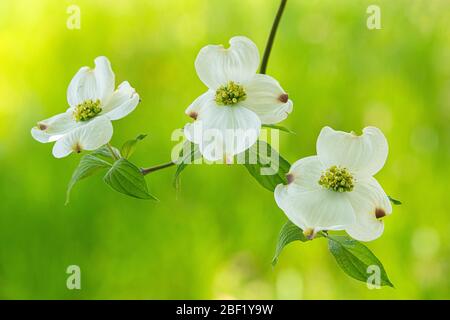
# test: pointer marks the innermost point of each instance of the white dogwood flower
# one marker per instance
(228, 117)
(93, 104)
(335, 190)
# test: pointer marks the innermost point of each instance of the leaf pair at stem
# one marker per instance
(121, 175)
(354, 258)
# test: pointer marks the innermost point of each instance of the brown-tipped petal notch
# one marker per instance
(284, 97)
(193, 115)
(77, 148)
(309, 233)
(290, 178)
(379, 213)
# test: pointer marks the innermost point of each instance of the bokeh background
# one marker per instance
(214, 238)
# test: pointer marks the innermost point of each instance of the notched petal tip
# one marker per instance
(309, 233)
(290, 178)
(379, 213)
(284, 97)
(42, 126)
(77, 148)
(356, 134)
(193, 115)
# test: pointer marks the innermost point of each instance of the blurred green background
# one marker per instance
(215, 237)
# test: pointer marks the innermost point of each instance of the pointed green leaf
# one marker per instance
(270, 168)
(289, 233)
(188, 155)
(126, 178)
(356, 259)
(129, 146)
(281, 128)
(394, 201)
(89, 165)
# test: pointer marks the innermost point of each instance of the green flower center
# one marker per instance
(337, 179)
(87, 110)
(230, 94)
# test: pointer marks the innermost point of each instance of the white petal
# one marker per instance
(222, 131)
(307, 204)
(195, 108)
(78, 84)
(363, 155)
(54, 128)
(105, 77)
(267, 99)
(306, 173)
(90, 136)
(91, 84)
(123, 101)
(318, 210)
(368, 199)
(216, 65)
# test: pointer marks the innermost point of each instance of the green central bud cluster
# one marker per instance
(230, 94)
(337, 179)
(87, 110)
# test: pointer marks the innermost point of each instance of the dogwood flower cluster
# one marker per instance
(335, 190)
(93, 104)
(229, 115)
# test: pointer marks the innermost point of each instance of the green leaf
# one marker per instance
(126, 178)
(394, 201)
(289, 233)
(89, 165)
(281, 128)
(129, 146)
(104, 152)
(188, 155)
(263, 169)
(355, 258)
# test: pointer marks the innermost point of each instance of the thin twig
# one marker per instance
(271, 39)
(146, 171)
